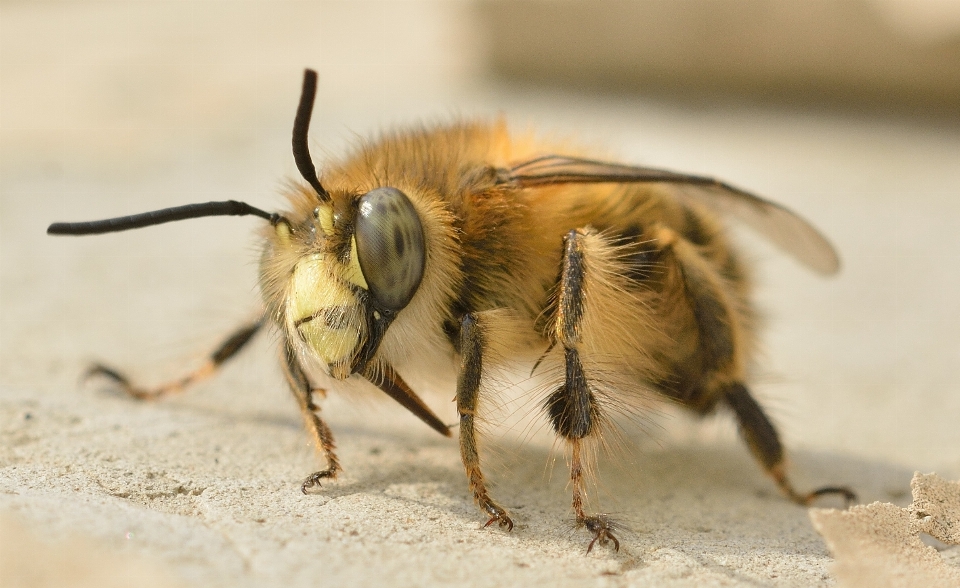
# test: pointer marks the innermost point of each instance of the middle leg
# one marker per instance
(573, 408)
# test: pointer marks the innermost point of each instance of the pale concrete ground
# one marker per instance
(113, 108)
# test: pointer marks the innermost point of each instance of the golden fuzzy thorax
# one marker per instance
(494, 250)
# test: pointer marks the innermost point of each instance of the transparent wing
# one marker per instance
(781, 226)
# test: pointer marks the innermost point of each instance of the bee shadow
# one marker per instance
(713, 501)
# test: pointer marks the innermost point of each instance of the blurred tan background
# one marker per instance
(115, 107)
(883, 55)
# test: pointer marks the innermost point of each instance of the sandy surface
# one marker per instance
(117, 108)
(880, 545)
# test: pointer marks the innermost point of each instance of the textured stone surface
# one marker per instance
(880, 544)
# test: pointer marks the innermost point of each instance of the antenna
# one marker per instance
(301, 124)
(158, 217)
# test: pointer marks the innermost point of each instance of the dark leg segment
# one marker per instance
(715, 359)
(573, 408)
(323, 436)
(762, 439)
(719, 377)
(230, 347)
(468, 390)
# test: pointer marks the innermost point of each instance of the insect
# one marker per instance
(437, 246)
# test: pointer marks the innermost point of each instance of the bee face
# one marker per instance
(324, 313)
(349, 267)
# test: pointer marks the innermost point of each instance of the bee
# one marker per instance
(460, 248)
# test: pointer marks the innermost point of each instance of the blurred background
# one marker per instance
(847, 111)
(881, 55)
(115, 79)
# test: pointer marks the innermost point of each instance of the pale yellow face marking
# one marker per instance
(314, 292)
(354, 274)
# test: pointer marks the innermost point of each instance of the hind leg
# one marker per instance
(719, 361)
(764, 442)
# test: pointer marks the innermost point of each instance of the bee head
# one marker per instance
(352, 264)
(336, 272)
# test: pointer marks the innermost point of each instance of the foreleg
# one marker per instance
(322, 435)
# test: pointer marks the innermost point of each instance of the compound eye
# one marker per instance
(390, 247)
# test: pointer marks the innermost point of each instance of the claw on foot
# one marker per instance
(849, 496)
(780, 477)
(602, 529)
(499, 515)
(503, 522)
(313, 480)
